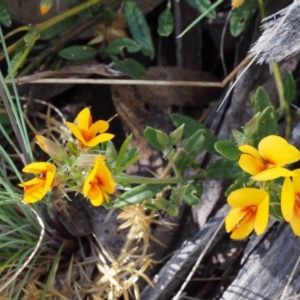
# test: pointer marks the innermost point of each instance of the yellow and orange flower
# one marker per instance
(45, 6)
(266, 162)
(290, 202)
(236, 3)
(88, 133)
(99, 183)
(36, 188)
(250, 210)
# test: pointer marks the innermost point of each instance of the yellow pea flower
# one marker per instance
(266, 162)
(290, 202)
(250, 210)
(236, 3)
(36, 188)
(45, 6)
(88, 133)
(99, 183)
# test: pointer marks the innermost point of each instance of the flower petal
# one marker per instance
(262, 216)
(98, 127)
(273, 173)
(99, 139)
(104, 176)
(295, 221)
(233, 218)
(35, 192)
(83, 119)
(287, 199)
(244, 229)
(39, 168)
(33, 181)
(250, 150)
(250, 164)
(89, 179)
(76, 132)
(296, 181)
(277, 151)
(246, 197)
(95, 195)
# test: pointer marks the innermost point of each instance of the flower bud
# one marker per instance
(53, 150)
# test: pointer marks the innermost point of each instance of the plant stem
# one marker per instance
(141, 180)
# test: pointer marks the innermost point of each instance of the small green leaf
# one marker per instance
(261, 100)
(177, 194)
(56, 29)
(151, 206)
(167, 206)
(191, 148)
(239, 183)
(228, 150)
(267, 125)
(275, 206)
(223, 168)
(130, 67)
(165, 23)
(117, 46)
(5, 18)
(108, 16)
(240, 17)
(123, 150)
(110, 152)
(138, 27)
(192, 126)
(76, 53)
(138, 194)
(193, 193)
(290, 89)
(151, 136)
(202, 6)
(176, 135)
(129, 159)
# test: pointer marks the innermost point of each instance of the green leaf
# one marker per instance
(193, 193)
(5, 18)
(223, 168)
(130, 67)
(202, 6)
(138, 194)
(165, 23)
(139, 28)
(261, 100)
(151, 136)
(191, 148)
(123, 150)
(129, 159)
(191, 126)
(117, 46)
(240, 17)
(239, 183)
(177, 194)
(108, 16)
(54, 30)
(228, 150)
(290, 89)
(110, 152)
(275, 206)
(167, 206)
(267, 125)
(76, 53)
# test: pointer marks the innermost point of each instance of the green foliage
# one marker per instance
(202, 6)
(223, 168)
(151, 135)
(193, 193)
(191, 148)
(191, 126)
(167, 206)
(261, 100)
(240, 16)
(130, 67)
(228, 150)
(290, 89)
(5, 18)
(117, 46)
(139, 28)
(275, 207)
(240, 182)
(108, 16)
(76, 53)
(267, 125)
(138, 194)
(165, 23)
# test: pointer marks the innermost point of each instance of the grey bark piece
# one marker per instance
(178, 267)
(266, 271)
